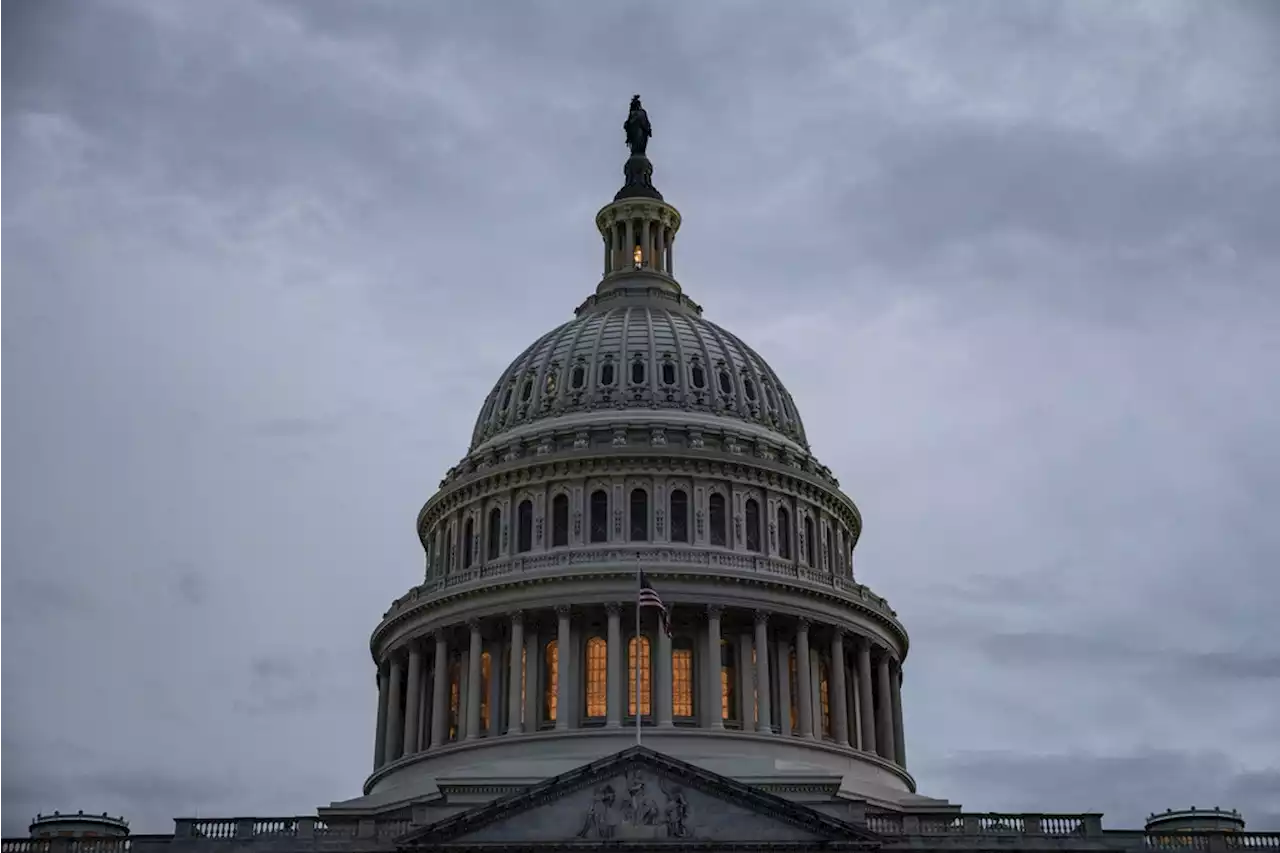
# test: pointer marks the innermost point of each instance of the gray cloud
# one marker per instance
(264, 260)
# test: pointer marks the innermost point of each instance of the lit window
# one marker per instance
(682, 680)
(455, 697)
(644, 676)
(485, 661)
(824, 694)
(551, 661)
(597, 676)
(728, 696)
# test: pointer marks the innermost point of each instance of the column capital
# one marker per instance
(762, 617)
(562, 610)
(473, 624)
(715, 611)
(517, 617)
(802, 625)
(613, 608)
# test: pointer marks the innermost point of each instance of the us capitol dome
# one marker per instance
(638, 625)
(640, 436)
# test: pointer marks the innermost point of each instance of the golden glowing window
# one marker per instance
(727, 693)
(455, 696)
(485, 663)
(597, 676)
(645, 708)
(682, 682)
(824, 695)
(552, 680)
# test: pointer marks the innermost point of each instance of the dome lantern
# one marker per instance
(638, 227)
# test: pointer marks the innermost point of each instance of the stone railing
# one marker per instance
(921, 830)
(655, 559)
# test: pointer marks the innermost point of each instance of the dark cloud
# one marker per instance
(263, 261)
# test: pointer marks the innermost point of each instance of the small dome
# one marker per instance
(641, 355)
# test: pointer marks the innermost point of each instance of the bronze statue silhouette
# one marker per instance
(637, 128)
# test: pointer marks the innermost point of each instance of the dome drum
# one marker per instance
(494, 683)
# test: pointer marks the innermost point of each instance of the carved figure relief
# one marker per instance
(641, 812)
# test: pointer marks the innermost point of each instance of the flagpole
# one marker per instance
(639, 707)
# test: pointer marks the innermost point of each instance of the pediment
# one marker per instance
(639, 795)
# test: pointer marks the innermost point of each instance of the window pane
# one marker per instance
(679, 516)
(717, 512)
(784, 534)
(495, 532)
(597, 676)
(524, 520)
(485, 663)
(560, 521)
(824, 693)
(644, 676)
(639, 515)
(552, 680)
(682, 682)
(599, 516)
(752, 513)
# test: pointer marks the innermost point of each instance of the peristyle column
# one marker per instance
(715, 716)
(614, 676)
(380, 735)
(839, 698)
(413, 695)
(899, 736)
(866, 697)
(564, 704)
(515, 679)
(662, 690)
(395, 712)
(804, 681)
(764, 717)
(473, 680)
(783, 672)
(440, 693)
(884, 707)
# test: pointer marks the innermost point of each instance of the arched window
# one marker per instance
(698, 376)
(551, 678)
(495, 532)
(809, 552)
(639, 515)
(524, 526)
(486, 667)
(831, 550)
(468, 538)
(752, 512)
(679, 515)
(784, 533)
(559, 520)
(716, 509)
(682, 692)
(599, 516)
(448, 550)
(728, 695)
(597, 677)
(645, 704)
(824, 696)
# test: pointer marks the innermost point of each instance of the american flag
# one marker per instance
(650, 598)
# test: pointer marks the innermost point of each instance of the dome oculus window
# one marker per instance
(606, 373)
(697, 375)
(506, 399)
(750, 388)
(526, 391)
(637, 372)
(579, 377)
(726, 383)
(668, 373)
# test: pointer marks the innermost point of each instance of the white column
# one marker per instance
(646, 245)
(804, 683)
(899, 736)
(515, 675)
(440, 693)
(783, 674)
(380, 734)
(746, 683)
(836, 691)
(866, 698)
(413, 694)
(564, 704)
(662, 673)
(616, 674)
(532, 678)
(764, 717)
(395, 713)
(712, 684)
(884, 709)
(474, 684)
(495, 688)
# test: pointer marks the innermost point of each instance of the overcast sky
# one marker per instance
(1017, 263)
